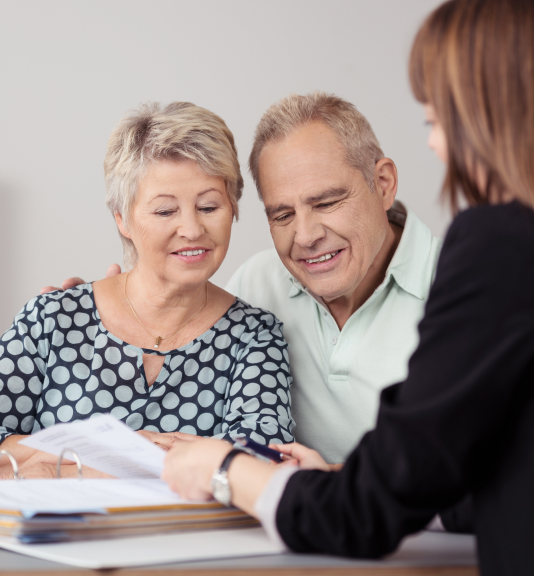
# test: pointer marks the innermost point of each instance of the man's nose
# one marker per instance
(308, 230)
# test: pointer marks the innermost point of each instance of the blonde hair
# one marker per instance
(473, 61)
(179, 131)
(352, 128)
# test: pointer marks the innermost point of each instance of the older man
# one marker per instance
(351, 270)
(352, 267)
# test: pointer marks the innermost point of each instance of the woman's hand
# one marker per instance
(305, 458)
(23, 454)
(47, 470)
(189, 467)
(166, 440)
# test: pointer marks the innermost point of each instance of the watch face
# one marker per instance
(221, 488)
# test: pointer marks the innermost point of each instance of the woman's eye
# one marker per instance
(208, 209)
(164, 212)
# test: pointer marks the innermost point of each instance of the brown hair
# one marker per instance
(473, 61)
(352, 128)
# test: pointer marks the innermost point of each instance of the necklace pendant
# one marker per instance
(158, 340)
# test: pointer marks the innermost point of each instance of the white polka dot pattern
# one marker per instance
(59, 364)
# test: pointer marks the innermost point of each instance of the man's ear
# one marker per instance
(386, 181)
(121, 226)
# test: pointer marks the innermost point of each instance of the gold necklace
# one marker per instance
(159, 339)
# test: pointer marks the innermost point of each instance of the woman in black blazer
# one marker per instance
(463, 421)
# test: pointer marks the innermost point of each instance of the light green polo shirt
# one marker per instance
(338, 375)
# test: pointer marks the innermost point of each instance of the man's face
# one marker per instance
(326, 223)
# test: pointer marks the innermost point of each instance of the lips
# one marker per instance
(194, 252)
(322, 258)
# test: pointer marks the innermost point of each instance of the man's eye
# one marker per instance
(327, 204)
(282, 217)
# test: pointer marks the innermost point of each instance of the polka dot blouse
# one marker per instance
(59, 364)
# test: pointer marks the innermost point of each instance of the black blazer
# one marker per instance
(462, 422)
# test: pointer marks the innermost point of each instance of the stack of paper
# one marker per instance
(36, 511)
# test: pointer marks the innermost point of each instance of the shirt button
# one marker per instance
(334, 341)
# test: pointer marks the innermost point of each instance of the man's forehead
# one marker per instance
(313, 138)
(310, 155)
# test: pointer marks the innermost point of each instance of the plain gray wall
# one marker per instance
(70, 70)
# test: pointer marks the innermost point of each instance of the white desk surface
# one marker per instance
(424, 554)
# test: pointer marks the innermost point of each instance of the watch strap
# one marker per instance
(228, 459)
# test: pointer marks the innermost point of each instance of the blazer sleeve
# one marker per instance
(444, 425)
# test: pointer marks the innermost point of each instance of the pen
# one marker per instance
(254, 448)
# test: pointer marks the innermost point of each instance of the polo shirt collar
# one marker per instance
(408, 265)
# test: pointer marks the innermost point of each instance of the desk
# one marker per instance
(426, 554)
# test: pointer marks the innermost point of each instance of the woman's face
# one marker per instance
(180, 223)
(436, 139)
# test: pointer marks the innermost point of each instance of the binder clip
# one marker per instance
(75, 458)
(13, 463)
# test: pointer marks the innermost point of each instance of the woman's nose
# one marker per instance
(190, 227)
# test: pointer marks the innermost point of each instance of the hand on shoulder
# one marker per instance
(113, 270)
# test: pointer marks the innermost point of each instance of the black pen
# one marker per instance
(254, 448)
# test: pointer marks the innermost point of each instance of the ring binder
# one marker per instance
(75, 458)
(13, 463)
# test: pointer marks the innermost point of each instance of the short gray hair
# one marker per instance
(353, 129)
(179, 131)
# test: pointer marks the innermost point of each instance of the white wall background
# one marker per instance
(69, 70)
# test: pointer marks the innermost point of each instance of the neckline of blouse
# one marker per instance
(137, 349)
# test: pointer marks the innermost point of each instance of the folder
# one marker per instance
(39, 511)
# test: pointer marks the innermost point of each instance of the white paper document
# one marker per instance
(103, 443)
(75, 496)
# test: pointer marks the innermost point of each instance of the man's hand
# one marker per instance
(166, 440)
(189, 467)
(113, 270)
(306, 458)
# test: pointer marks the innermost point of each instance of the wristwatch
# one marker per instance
(219, 481)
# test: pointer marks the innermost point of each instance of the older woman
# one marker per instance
(159, 347)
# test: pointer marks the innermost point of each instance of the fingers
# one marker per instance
(283, 448)
(113, 270)
(47, 289)
(186, 437)
(294, 449)
(306, 458)
(71, 282)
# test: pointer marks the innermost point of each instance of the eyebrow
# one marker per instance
(328, 194)
(174, 197)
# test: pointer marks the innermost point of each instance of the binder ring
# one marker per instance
(75, 458)
(13, 463)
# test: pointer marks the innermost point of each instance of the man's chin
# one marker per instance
(326, 288)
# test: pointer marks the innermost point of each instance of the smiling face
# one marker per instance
(327, 225)
(180, 223)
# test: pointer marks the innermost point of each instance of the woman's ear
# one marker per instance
(386, 181)
(121, 226)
